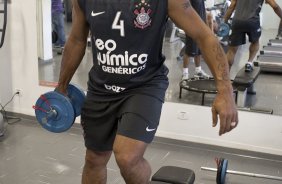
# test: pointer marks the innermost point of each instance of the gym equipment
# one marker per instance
(223, 30)
(275, 42)
(244, 83)
(56, 112)
(3, 28)
(222, 165)
(272, 50)
(200, 85)
(172, 174)
(269, 63)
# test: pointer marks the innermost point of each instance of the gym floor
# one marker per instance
(31, 155)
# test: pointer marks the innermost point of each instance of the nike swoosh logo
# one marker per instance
(96, 14)
(149, 130)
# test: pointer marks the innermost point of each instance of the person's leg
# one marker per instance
(186, 57)
(185, 73)
(199, 72)
(61, 30)
(55, 24)
(254, 36)
(236, 39)
(137, 126)
(231, 53)
(95, 167)
(197, 60)
(253, 49)
(99, 122)
(129, 156)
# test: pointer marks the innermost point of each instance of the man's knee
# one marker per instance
(254, 44)
(126, 161)
(97, 159)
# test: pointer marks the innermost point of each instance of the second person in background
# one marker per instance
(192, 50)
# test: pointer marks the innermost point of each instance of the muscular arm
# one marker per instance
(185, 17)
(230, 10)
(275, 6)
(74, 48)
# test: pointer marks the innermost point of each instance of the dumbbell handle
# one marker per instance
(50, 115)
(244, 173)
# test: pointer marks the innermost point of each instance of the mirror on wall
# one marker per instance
(268, 85)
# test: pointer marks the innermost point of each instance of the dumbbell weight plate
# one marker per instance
(224, 170)
(77, 97)
(64, 117)
(219, 169)
(223, 30)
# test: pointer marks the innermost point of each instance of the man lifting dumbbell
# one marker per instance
(127, 83)
(246, 20)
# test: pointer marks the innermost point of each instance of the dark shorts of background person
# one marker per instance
(242, 28)
(191, 48)
(136, 116)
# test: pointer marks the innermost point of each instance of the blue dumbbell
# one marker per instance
(56, 112)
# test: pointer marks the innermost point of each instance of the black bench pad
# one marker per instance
(175, 175)
(244, 79)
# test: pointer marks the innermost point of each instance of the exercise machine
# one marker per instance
(276, 50)
(270, 58)
(269, 63)
(275, 42)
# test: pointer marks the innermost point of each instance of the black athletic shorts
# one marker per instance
(136, 117)
(242, 28)
(191, 48)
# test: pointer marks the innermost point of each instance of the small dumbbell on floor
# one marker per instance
(56, 112)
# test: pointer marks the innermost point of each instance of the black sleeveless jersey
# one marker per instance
(127, 38)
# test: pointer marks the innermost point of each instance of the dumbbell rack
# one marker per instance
(3, 13)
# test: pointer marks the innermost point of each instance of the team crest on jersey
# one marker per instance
(142, 12)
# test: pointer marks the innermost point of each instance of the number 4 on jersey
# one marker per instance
(118, 24)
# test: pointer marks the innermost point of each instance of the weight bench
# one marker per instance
(244, 83)
(173, 175)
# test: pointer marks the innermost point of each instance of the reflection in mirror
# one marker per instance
(268, 86)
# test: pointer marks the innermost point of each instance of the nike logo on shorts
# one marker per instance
(96, 14)
(150, 130)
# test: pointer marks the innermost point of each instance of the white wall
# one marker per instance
(270, 20)
(44, 30)
(19, 69)
(18, 57)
